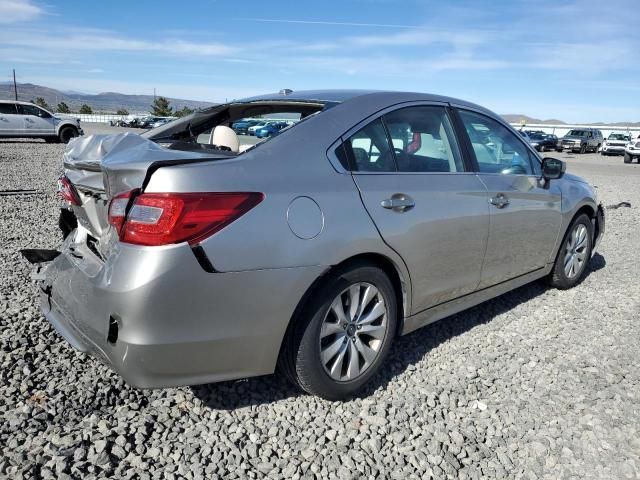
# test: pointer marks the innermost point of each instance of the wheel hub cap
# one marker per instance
(353, 331)
(576, 251)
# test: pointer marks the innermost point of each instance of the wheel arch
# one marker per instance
(62, 126)
(401, 287)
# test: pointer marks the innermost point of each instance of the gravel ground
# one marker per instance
(537, 383)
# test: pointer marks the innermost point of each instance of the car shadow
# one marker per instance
(32, 140)
(405, 352)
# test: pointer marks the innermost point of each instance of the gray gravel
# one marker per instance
(535, 384)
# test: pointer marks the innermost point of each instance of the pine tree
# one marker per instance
(41, 103)
(184, 112)
(63, 108)
(85, 109)
(161, 108)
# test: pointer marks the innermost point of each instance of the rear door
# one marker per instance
(525, 214)
(36, 120)
(10, 122)
(427, 207)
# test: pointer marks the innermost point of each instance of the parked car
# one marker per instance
(270, 129)
(241, 127)
(26, 120)
(581, 140)
(194, 263)
(615, 144)
(252, 129)
(542, 141)
(632, 151)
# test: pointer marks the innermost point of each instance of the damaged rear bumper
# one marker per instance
(159, 320)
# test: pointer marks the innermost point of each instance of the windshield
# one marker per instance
(536, 136)
(577, 133)
(619, 136)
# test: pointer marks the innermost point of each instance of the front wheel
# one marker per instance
(583, 149)
(343, 335)
(66, 134)
(574, 254)
(627, 158)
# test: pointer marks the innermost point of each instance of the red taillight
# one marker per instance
(118, 209)
(165, 218)
(67, 191)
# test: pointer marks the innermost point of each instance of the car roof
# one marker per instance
(18, 101)
(341, 96)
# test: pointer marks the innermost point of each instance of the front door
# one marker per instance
(36, 120)
(525, 215)
(427, 207)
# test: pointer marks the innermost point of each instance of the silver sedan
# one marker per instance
(194, 255)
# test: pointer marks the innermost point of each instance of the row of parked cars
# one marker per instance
(260, 128)
(137, 121)
(583, 140)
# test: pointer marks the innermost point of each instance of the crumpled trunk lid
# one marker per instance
(101, 166)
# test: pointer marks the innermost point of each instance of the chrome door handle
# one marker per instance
(399, 202)
(499, 201)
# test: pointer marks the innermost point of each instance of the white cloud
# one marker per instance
(12, 11)
(100, 40)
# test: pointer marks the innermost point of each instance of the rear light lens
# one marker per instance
(166, 218)
(118, 209)
(67, 191)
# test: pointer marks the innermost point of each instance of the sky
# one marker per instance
(573, 60)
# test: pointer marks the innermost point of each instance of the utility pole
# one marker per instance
(15, 88)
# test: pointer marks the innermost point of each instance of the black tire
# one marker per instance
(66, 134)
(627, 158)
(301, 355)
(558, 277)
(583, 148)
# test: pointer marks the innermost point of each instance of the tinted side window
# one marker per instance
(8, 109)
(32, 110)
(497, 150)
(368, 149)
(423, 140)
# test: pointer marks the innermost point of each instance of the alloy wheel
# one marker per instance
(353, 331)
(576, 251)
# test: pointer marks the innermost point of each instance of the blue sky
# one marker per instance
(573, 60)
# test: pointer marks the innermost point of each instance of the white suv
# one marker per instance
(632, 151)
(26, 120)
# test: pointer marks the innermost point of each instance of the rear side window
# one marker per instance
(496, 148)
(423, 140)
(412, 139)
(8, 109)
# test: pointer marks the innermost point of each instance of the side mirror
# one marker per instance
(552, 168)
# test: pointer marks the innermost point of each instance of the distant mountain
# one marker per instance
(107, 102)
(518, 118)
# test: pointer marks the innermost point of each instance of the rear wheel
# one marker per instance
(344, 333)
(574, 254)
(66, 134)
